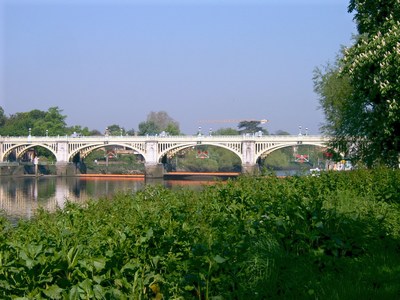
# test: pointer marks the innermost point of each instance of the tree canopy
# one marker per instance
(158, 122)
(225, 131)
(3, 117)
(251, 127)
(335, 90)
(115, 129)
(360, 93)
(36, 122)
(371, 15)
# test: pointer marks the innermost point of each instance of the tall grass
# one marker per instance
(330, 237)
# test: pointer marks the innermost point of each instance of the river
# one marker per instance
(21, 196)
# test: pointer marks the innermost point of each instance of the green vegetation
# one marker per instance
(360, 93)
(226, 131)
(107, 160)
(157, 123)
(302, 157)
(336, 236)
(35, 122)
(39, 123)
(251, 127)
(205, 158)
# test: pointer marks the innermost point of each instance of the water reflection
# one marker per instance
(20, 197)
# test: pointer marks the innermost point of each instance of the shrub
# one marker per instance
(250, 238)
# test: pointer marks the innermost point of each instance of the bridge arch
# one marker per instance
(172, 150)
(296, 156)
(285, 145)
(21, 149)
(85, 150)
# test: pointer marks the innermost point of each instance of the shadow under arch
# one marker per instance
(82, 159)
(301, 156)
(32, 157)
(201, 157)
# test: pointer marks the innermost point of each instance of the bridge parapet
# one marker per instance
(166, 137)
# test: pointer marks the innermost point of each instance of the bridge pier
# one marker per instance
(249, 165)
(65, 169)
(153, 170)
(250, 169)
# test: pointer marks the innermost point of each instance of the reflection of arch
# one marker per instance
(176, 148)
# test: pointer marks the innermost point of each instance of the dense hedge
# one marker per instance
(336, 236)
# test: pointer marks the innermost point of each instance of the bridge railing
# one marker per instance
(30, 139)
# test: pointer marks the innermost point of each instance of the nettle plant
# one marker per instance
(250, 238)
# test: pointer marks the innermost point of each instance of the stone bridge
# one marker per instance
(249, 148)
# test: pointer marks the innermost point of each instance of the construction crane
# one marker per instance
(263, 121)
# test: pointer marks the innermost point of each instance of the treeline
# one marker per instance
(52, 122)
(39, 123)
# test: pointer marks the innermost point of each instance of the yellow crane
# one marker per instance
(262, 121)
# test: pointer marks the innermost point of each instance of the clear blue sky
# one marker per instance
(110, 62)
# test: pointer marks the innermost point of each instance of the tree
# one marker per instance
(94, 132)
(365, 112)
(131, 132)
(18, 124)
(79, 130)
(161, 119)
(51, 122)
(251, 127)
(281, 132)
(158, 122)
(36, 122)
(193, 163)
(225, 131)
(370, 15)
(277, 160)
(39, 123)
(334, 90)
(3, 118)
(148, 128)
(115, 130)
(172, 129)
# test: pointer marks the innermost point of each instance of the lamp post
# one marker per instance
(300, 130)
(47, 132)
(29, 132)
(199, 133)
(210, 131)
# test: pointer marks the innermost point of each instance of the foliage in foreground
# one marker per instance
(330, 237)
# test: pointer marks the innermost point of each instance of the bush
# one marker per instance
(335, 236)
